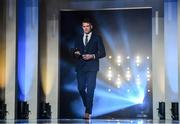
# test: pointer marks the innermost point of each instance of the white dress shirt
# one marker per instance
(89, 37)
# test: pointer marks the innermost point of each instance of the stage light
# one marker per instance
(109, 90)
(45, 110)
(148, 75)
(22, 110)
(147, 57)
(119, 60)
(128, 90)
(109, 74)
(149, 90)
(174, 111)
(110, 57)
(161, 110)
(118, 81)
(128, 74)
(138, 82)
(3, 110)
(138, 60)
(128, 57)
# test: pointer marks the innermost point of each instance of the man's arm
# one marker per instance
(76, 51)
(99, 54)
(101, 50)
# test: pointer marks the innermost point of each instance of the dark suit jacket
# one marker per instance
(95, 46)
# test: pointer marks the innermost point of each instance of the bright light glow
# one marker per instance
(128, 57)
(147, 57)
(107, 97)
(118, 81)
(110, 57)
(109, 74)
(138, 60)
(2, 65)
(128, 74)
(138, 82)
(140, 100)
(119, 60)
(148, 75)
(26, 41)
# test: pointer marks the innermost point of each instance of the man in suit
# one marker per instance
(89, 49)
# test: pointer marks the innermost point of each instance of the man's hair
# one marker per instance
(87, 20)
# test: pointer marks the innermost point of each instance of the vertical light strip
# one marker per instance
(169, 11)
(156, 22)
(10, 57)
(21, 50)
(179, 51)
(31, 57)
(42, 56)
(42, 53)
(27, 48)
(54, 25)
(10, 8)
(171, 54)
(2, 50)
(171, 50)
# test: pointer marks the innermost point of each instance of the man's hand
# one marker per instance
(88, 56)
(77, 53)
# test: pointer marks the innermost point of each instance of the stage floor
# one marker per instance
(92, 121)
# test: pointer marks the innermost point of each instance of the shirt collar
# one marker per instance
(89, 34)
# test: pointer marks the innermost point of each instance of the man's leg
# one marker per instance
(81, 78)
(91, 84)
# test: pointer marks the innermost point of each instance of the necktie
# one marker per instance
(86, 40)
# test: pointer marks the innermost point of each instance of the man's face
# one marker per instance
(87, 27)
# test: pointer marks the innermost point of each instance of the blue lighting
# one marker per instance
(21, 49)
(112, 101)
(26, 46)
(171, 48)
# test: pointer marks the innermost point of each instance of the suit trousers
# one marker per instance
(86, 86)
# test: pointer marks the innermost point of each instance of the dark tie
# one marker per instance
(86, 40)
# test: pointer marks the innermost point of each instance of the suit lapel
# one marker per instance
(92, 36)
(81, 40)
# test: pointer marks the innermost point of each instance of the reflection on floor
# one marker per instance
(92, 121)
